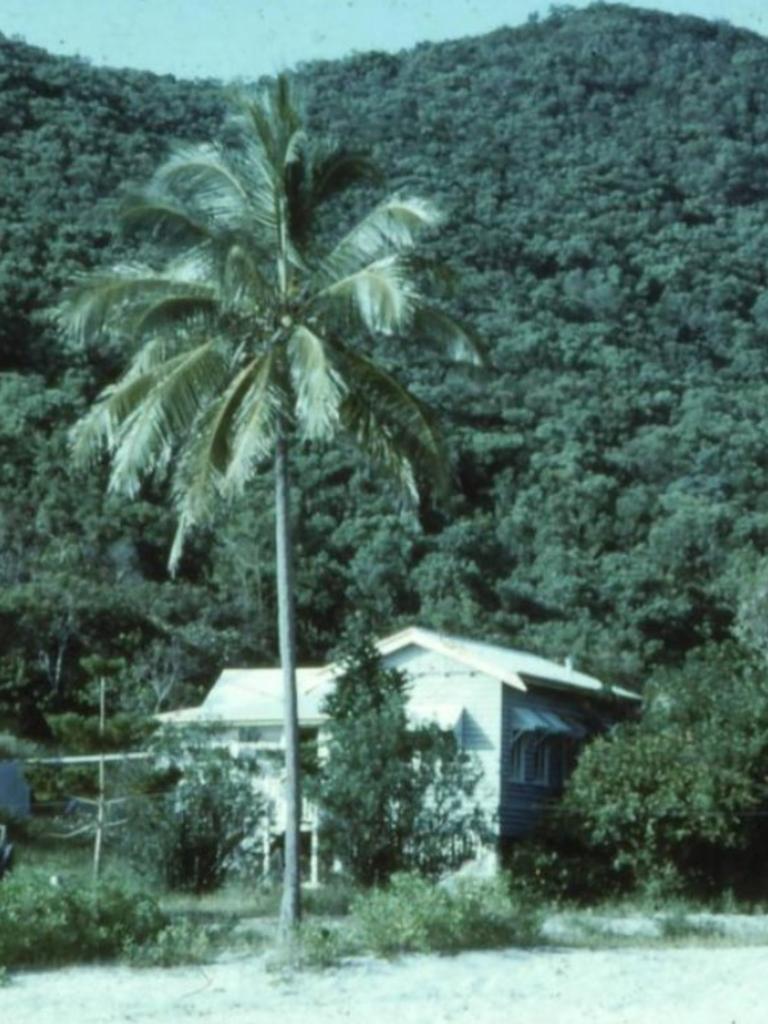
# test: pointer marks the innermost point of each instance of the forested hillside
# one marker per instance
(604, 175)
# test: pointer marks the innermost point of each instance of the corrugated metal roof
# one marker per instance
(255, 695)
(516, 668)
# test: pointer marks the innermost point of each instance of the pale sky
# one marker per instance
(229, 39)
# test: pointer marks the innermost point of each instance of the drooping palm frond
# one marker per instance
(142, 440)
(98, 429)
(391, 425)
(393, 225)
(254, 423)
(335, 168)
(321, 172)
(130, 298)
(201, 473)
(458, 341)
(91, 301)
(380, 295)
(171, 312)
(316, 383)
(205, 176)
(163, 217)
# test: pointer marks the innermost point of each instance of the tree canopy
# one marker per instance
(603, 169)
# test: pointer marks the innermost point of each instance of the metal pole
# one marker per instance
(100, 807)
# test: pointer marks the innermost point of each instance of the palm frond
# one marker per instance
(390, 424)
(98, 429)
(281, 102)
(461, 344)
(143, 440)
(200, 476)
(89, 305)
(316, 384)
(296, 147)
(170, 313)
(272, 123)
(380, 295)
(254, 427)
(242, 281)
(164, 217)
(334, 170)
(204, 176)
(394, 224)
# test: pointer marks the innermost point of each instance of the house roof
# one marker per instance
(255, 695)
(515, 668)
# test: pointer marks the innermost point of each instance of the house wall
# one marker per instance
(435, 678)
(521, 804)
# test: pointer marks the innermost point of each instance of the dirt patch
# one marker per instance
(618, 986)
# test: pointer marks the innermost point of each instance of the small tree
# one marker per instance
(679, 799)
(197, 808)
(392, 797)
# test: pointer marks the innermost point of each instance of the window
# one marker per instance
(249, 734)
(530, 757)
(541, 758)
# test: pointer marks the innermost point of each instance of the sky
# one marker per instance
(243, 39)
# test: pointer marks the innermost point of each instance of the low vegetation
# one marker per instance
(44, 924)
(412, 915)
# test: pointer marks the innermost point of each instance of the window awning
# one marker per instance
(531, 720)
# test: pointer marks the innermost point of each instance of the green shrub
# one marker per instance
(555, 865)
(678, 927)
(675, 804)
(42, 924)
(334, 899)
(322, 946)
(194, 834)
(12, 748)
(178, 943)
(414, 915)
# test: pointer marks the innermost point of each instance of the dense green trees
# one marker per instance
(611, 473)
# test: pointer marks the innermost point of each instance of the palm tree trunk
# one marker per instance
(290, 907)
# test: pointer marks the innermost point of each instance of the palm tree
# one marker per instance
(249, 337)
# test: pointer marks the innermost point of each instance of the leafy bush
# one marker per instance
(42, 924)
(180, 942)
(555, 864)
(413, 915)
(393, 797)
(334, 899)
(191, 833)
(12, 748)
(677, 802)
(322, 945)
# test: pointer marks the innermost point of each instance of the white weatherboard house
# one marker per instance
(522, 717)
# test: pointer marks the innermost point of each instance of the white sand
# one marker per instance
(541, 986)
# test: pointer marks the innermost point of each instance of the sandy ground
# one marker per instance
(541, 986)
